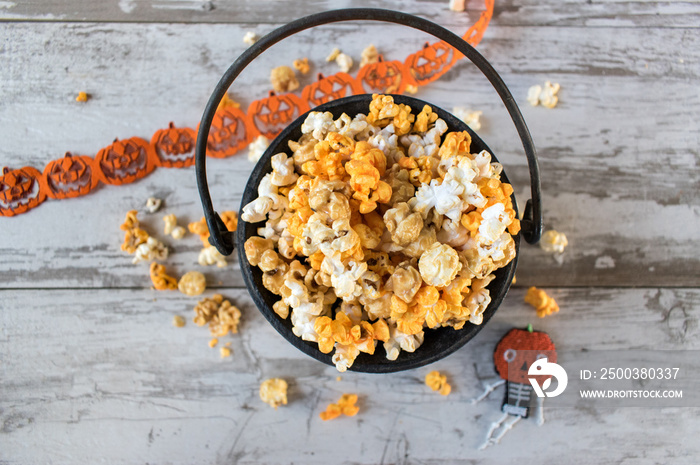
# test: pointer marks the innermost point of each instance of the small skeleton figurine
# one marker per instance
(514, 355)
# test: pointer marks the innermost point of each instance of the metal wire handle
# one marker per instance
(223, 240)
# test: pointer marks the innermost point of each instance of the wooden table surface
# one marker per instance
(92, 369)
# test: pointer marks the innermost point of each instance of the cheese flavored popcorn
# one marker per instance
(379, 227)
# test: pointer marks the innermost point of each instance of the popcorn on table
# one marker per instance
(273, 392)
(378, 228)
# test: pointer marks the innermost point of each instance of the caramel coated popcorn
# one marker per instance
(378, 228)
(543, 303)
(369, 55)
(273, 392)
(192, 283)
(438, 382)
(302, 65)
(221, 316)
(345, 406)
(283, 79)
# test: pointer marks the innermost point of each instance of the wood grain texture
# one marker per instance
(118, 373)
(607, 13)
(619, 155)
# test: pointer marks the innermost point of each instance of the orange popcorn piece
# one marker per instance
(455, 143)
(161, 280)
(201, 229)
(425, 118)
(544, 304)
(345, 406)
(438, 382)
(133, 236)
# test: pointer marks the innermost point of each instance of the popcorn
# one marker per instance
(82, 97)
(153, 204)
(369, 55)
(546, 95)
(170, 221)
(553, 241)
(225, 352)
(250, 37)
(344, 62)
(302, 65)
(227, 102)
(218, 312)
(333, 55)
(283, 79)
(543, 304)
(211, 256)
(134, 236)
(192, 283)
(178, 321)
(345, 406)
(273, 392)
(438, 382)
(152, 249)
(257, 148)
(533, 95)
(470, 118)
(350, 271)
(161, 280)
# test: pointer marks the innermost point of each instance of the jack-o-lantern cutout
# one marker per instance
(430, 63)
(230, 132)
(384, 77)
(70, 176)
(328, 88)
(125, 161)
(518, 350)
(20, 190)
(274, 113)
(174, 146)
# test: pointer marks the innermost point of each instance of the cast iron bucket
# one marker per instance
(438, 343)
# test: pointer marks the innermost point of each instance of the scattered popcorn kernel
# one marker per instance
(211, 256)
(82, 97)
(273, 392)
(133, 236)
(218, 312)
(369, 55)
(438, 382)
(152, 249)
(533, 95)
(553, 241)
(302, 65)
(544, 304)
(213, 342)
(457, 5)
(161, 280)
(170, 221)
(178, 232)
(283, 79)
(470, 118)
(250, 38)
(192, 283)
(334, 54)
(153, 204)
(344, 62)
(548, 97)
(345, 406)
(257, 148)
(178, 321)
(411, 89)
(225, 352)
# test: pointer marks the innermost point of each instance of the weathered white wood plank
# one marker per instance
(614, 13)
(618, 155)
(102, 375)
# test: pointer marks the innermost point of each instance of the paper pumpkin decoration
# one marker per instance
(20, 190)
(230, 132)
(174, 147)
(328, 88)
(384, 77)
(70, 176)
(430, 63)
(274, 113)
(125, 161)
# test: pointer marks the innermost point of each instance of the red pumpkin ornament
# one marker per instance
(230, 132)
(70, 176)
(20, 190)
(430, 63)
(125, 161)
(328, 88)
(174, 147)
(519, 349)
(274, 113)
(384, 77)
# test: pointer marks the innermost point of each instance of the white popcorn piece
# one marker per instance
(352, 128)
(439, 265)
(458, 5)
(153, 204)
(533, 95)
(427, 144)
(318, 124)
(494, 222)
(257, 148)
(344, 356)
(344, 62)
(250, 38)
(470, 118)
(267, 203)
(478, 301)
(151, 250)
(283, 173)
(170, 221)
(346, 283)
(553, 241)
(178, 232)
(400, 341)
(304, 316)
(444, 197)
(210, 256)
(548, 97)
